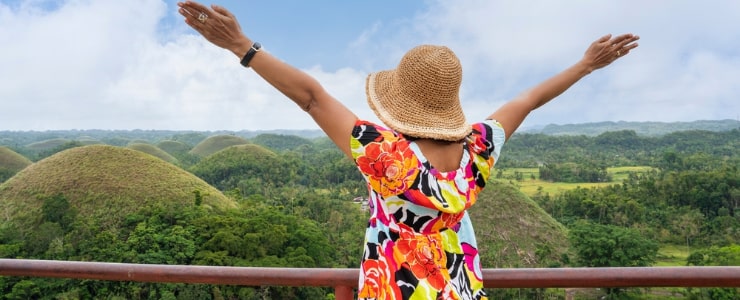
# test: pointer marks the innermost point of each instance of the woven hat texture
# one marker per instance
(420, 98)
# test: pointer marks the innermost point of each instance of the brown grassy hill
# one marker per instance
(153, 150)
(217, 143)
(225, 168)
(11, 162)
(513, 231)
(102, 181)
(173, 147)
(88, 140)
(55, 144)
(244, 151)
(48, 144)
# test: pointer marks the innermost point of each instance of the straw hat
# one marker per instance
(420, 98)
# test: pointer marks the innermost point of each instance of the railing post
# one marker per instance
(343, 292)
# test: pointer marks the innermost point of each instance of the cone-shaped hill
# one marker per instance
(217, 143)
(106, 182)
(11, 162)
(226, 168)
(513, 231)
(173, 147)
(48, 144)
(280, 142)
(153, 150)
(56, 143)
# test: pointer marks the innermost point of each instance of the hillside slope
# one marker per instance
(225, 169)
(104, 182)
(217, 143)
(513, 231)
(11, 162)
(153, 150)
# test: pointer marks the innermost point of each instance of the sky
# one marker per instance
(134, 64)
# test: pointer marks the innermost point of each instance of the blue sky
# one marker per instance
(109, 64)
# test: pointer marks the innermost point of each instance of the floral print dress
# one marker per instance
(419, 242)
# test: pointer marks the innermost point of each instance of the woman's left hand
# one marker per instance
(218, 25)
(606, 50)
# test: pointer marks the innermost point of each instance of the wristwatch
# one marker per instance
(256, 47)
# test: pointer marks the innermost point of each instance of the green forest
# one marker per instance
(291, 199)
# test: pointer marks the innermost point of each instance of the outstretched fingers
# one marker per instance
(222, 11)
(604, 38)
(215, 24)
(196, 15)
(622, 44)
(608, 49)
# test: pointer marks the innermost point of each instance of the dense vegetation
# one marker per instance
(691, 196)
(620, 148)
(285, 201)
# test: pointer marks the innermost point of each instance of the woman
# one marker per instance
(424, 167)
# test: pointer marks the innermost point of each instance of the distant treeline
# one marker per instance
(20, 139)
(642, 128)
(616, 148)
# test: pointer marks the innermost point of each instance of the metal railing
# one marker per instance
(344, 281)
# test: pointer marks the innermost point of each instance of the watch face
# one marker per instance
(256, 46)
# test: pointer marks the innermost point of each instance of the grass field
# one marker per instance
(672, 255)
(530, 186)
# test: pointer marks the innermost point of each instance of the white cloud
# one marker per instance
(108, 69)
(686, 66)
(55, 63)
(114, 65)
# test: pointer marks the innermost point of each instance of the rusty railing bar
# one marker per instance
(253, 276)
(714, 276)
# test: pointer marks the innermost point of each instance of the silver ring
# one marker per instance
(202, 17)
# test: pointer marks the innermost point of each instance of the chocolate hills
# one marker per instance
(105, 182)
(217, 143)
(514, 232)
(153, 150)
(111, 182)
(11, 162)
(173, 147)
(225, 169)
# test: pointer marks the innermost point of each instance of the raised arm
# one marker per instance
(599, 54)
(221, 28)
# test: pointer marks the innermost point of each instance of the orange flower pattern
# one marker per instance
(377, 281)
(423, 254)
(390, 166)
(419, 242)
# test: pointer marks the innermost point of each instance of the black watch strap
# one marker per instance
(256, 47)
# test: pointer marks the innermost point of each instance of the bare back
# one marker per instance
(442, 155)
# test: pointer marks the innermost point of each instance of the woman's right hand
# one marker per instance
(217, 25)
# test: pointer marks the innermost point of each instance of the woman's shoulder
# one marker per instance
(490, 130)
(366, 131)
(487, 127)
(487, 138)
